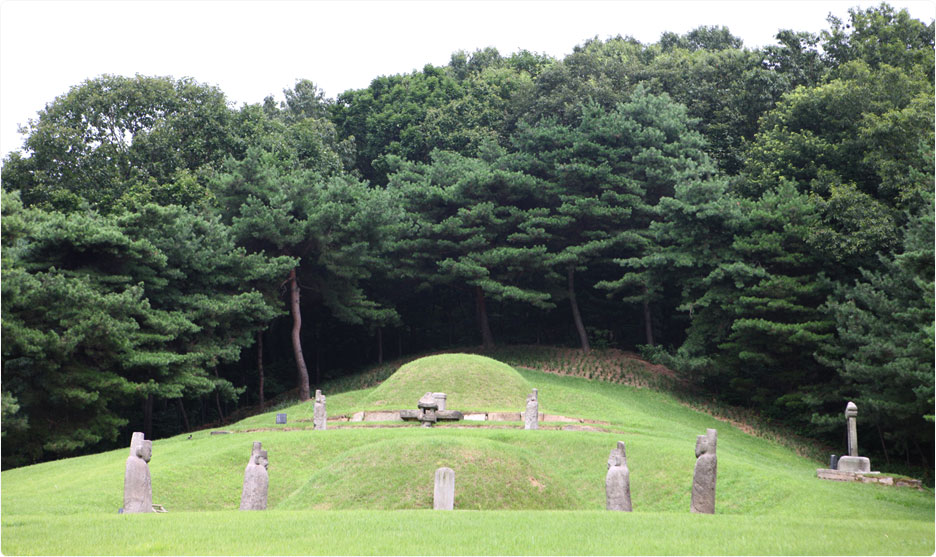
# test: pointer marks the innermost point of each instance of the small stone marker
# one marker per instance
(706, 470)
(138, 488)
(617, 481)
(256, 480)
(280, 419)
(443, 497)
(319, 415)
(440, 400)
(531, 415)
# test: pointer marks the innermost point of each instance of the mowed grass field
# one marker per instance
(362, 488)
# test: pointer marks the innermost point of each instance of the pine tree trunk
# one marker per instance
(148, 416)
(217, 398)
(379, 345)
(487, 339)
(302, 370)
(648, 320)
(182, 414)
(576, 316)
(260, 366)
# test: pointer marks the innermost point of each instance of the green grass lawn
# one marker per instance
(365, 490)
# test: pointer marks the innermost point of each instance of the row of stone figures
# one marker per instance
(138, 488)
(617, 480)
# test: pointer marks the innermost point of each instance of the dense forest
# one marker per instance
(758, 220)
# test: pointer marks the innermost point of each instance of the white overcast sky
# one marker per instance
(253, 49)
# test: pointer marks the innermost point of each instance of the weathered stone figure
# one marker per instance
(531, 415)
(853, 462)
(617, 481)
(256, 480)
(443, 497)
(138, 488)
(319, 415)
(706, 469)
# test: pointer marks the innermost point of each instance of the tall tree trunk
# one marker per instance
(148, 416)
(487, 339)
(576, 316)
(379, 345)
(301, 368)
(260, 366)
(182, 414)
(648, 320)
(217, 398)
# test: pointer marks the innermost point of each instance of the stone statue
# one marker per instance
(256, 480)
(617, 481)
(138, 488)
(531, 415)
(319, 415)
(706, 469)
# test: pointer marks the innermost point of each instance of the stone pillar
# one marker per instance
(319, 415)
(138, 488)
(706, 471)
(853, 462)
(617, 481)
(443, 497)
(851, 418)
(531, 415)
(256, 480)
(440, 400)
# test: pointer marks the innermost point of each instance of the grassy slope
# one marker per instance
(768, 500)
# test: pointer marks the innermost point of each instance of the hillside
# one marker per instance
(499, 466)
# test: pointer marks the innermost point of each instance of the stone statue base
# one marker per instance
(854, 464)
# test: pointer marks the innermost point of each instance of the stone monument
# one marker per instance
(256, 480)
(617, 481)
(531, 415)
(706, 469)
(443, 496)
(853, 462)
(440, 400)
(319, 415)
(428, 405)
(138, 488)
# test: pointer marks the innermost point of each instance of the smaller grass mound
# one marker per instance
(471, 382)
(398, 474)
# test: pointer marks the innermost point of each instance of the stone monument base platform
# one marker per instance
(865, 477)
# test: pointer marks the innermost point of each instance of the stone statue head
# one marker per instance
(618, 456)
(260, 458)
(146, 451)
(319, 397)
(705, 444)
(136, 444)
(851, 410)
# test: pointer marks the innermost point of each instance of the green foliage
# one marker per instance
(110, 136)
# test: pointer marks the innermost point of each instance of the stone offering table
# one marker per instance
(428, 411)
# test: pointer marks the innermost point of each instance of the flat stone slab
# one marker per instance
(504, 417)
(475, 417)
(220, 432)
(381, 416)
(580, 428)
(357, 417)
(449, 415)
(409, 414)
(554, 418)
(866, 477)
(859, 464)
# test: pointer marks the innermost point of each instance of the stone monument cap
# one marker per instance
(851, 411)
(428, 401)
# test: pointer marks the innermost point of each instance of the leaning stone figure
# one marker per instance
(138, 488)
(617, 481)
(256, 480)
(531, 415)
(706, 468)
(319, 415)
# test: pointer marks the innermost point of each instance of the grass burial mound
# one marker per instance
(360, 489)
